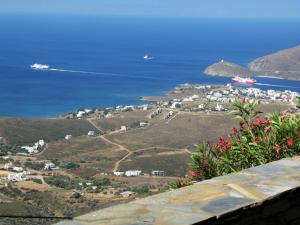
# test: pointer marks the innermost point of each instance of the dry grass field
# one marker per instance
(27, 131)
(272, 108)
(31, 185)
(182, 132)
(174, 163)
(90, 152)
(121, 119)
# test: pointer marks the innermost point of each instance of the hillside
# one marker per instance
(282, 64)
(26, 131)
(228, 69)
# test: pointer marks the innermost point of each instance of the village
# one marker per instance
(190, 98)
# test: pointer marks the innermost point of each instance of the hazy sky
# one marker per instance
(286, 9)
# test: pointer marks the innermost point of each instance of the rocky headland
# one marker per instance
(282, 64)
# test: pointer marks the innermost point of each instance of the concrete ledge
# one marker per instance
(205, 201)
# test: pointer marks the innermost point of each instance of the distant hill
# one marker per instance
(284, 63)
(281, 64)
(227, 69)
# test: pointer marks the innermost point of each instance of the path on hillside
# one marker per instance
(38, 177)
(43, 150)
(95, 125)
(120, 147)
(131, 152)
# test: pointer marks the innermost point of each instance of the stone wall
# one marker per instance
(267, 194)
(283, 209)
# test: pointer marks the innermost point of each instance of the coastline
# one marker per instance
(148, 99)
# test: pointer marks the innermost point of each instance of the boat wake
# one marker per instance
(112, 74)
(275, 85)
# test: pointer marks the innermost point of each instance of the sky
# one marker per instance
(259, 9)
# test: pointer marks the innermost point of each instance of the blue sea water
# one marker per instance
(112, 48)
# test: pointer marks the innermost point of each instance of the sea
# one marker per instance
(97, 61)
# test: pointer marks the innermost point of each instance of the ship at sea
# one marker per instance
(241, 80)
(147, 57)
(38, 66)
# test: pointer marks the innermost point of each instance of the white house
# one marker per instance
(41, 143)
(119, 174)
(127, 194)
(68, 137)
(219, 108)
(201, 106)
(133, 173)
(17, 169)
(91, 133)
(7, 157)
(8, 166)
(143, 124)
(175, 105)
(88, 110)
(123, 128)
(128, 108)
(108, 115)
(158, 173)
(194, 97)
(145, 107)
(49, 166)
(80, 114)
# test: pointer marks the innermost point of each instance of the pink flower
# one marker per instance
(234, 130)
(256, 139)
(192, 173)
(290, 142)
(242, 123)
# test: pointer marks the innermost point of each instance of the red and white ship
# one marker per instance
(243, 80)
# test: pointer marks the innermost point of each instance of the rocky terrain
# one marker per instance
(282, 64)
(228, 69)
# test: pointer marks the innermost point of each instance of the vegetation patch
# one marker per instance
(258, 140)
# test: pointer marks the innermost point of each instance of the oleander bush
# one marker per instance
(257, 140)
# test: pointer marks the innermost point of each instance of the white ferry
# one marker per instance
(243, 80)
(37, 66)
(147, 57)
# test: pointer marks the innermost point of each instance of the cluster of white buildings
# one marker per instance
(230, 95)
(191, 98)
(136, 173)
(17, 176)
(35, 148)
(82, 113)
(129, 173)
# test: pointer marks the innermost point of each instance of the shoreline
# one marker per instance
(149, 99)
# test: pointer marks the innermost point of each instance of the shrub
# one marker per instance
(69, 165)
(35, 166)
(102, 182)
(258, 140)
